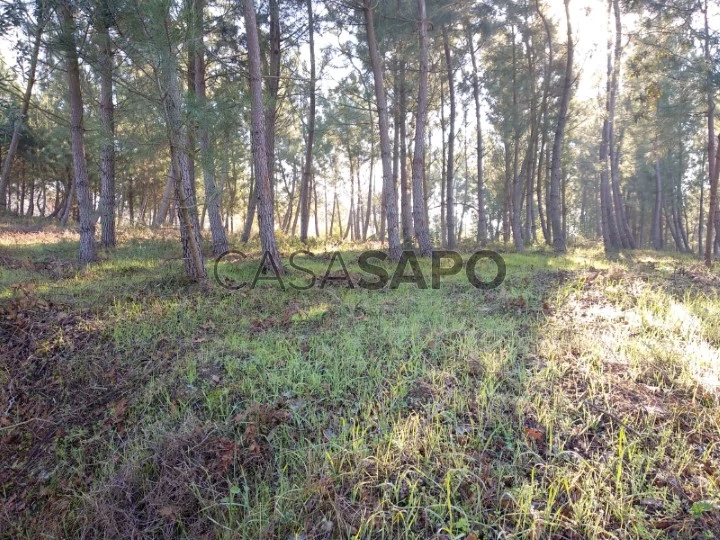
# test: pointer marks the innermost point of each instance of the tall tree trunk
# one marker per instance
(77, 137)
(554, 200)
(418, 165)
(482, 227)
(307, 170)
(701, 218)
(450, 176)
(273, 89)
(655, 231)
(262, 182)
(713, 165)
(207, 157)
(389, 190)
(406, 213)
(517, 180)
(543, 168)
(107, 121)
(613, 70)
(184, 201)
(713, 209)
(443, 168)
(17, 127)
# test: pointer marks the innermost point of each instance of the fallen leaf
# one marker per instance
(534, 434)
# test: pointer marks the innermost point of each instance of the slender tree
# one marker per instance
(107, 119)
(554, 211)
(207, 155)
(450, 175)
(308, 167)
(389, 189)
(418, 163)
(263, 188)
(77, 135)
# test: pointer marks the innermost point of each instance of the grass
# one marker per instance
(578, 400)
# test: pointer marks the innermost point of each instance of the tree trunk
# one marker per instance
(77, 137)
(482, 227)
(207, 157)
(712, 165)
(185, 201)
(262, 182)
(450, 176)
(307, 169)
(390, 194)
(517, 179)
(68, 202)
(405, 205)
(542, 167)
(655, 232)
(273, 88)
(712, 222)
(624, 233)
(15, 140)
(701, 218)
(107, 121)
(554, 200)
(418, 164)
(161, 214)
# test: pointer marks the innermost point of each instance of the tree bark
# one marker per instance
(107, 121)
(482, 226)
(162, 212)
(185, 201)
(554, 200)
(273, 89)
(712, 165)
(712, 209)
(389, 190)
(207, 157)
(624, 233)
(77, 137)
(655, 232)
(307, 169)
(260, 157)
(543, 167)
(405, 205)
(450, 176)
(418, 163)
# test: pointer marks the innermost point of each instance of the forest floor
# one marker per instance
(580, 399)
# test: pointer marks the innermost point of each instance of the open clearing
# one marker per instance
(578, 400)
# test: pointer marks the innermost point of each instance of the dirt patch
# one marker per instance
(49, 403)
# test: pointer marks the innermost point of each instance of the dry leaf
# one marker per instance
(534, 434)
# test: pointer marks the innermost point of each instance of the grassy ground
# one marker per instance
(578, 400)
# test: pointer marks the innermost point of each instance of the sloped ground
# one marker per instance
(580, 399)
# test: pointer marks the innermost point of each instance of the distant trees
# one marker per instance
(361, 137)
(41, 21)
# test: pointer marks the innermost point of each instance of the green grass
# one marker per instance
(578, 400)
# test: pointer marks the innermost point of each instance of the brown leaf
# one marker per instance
(534, 434)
